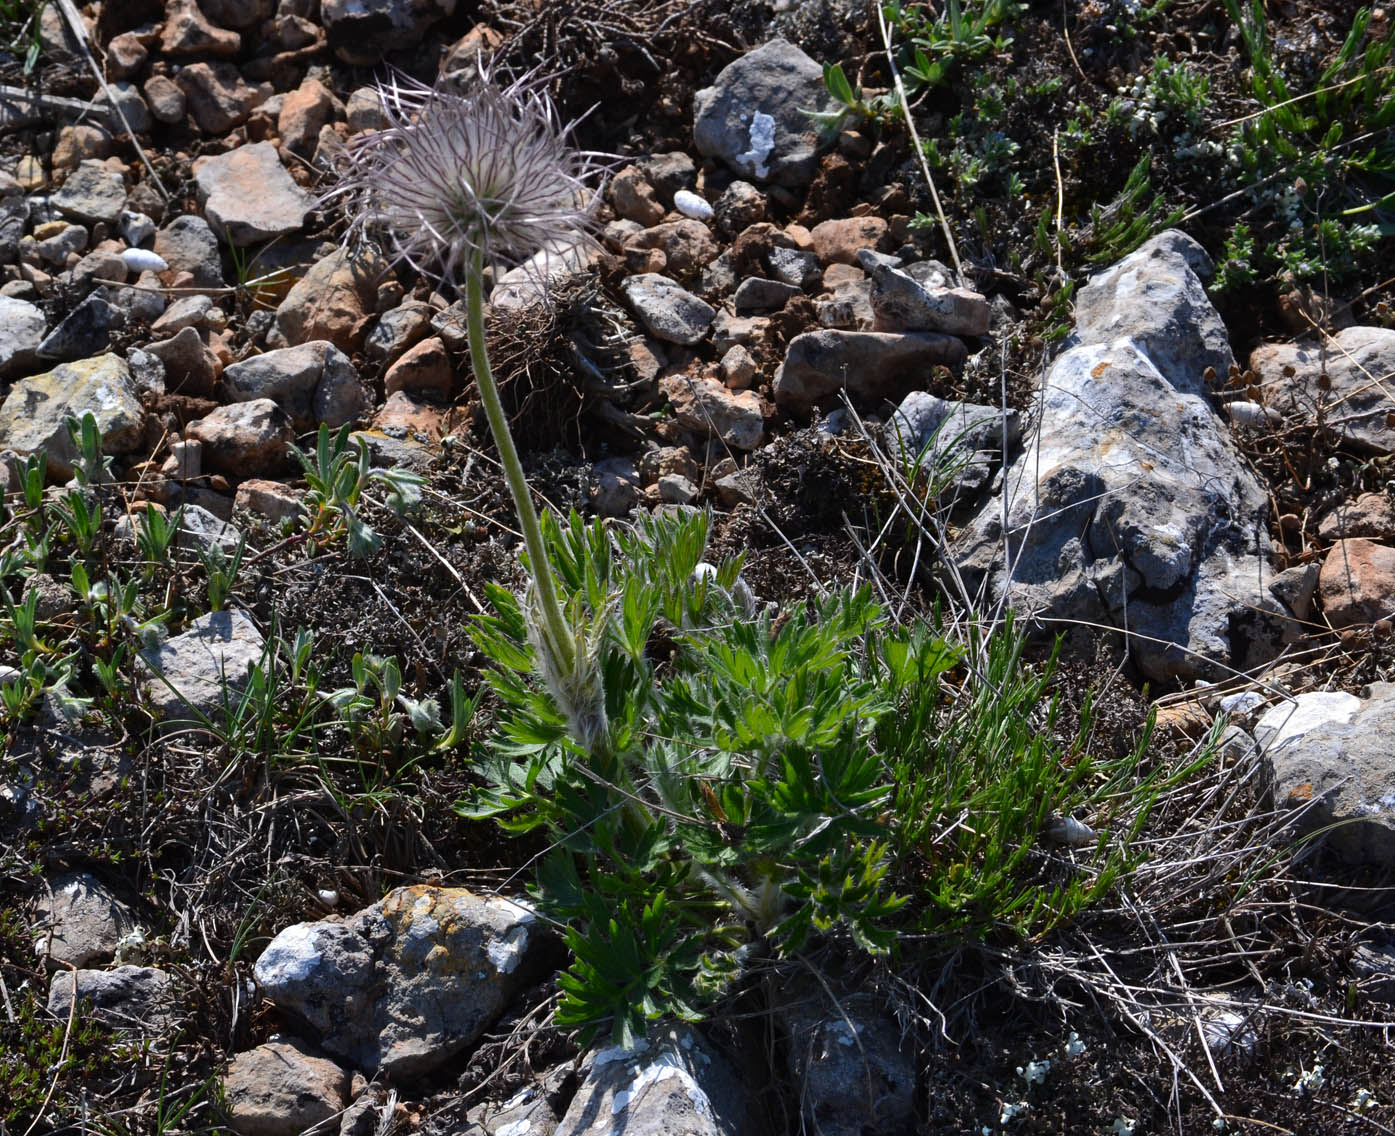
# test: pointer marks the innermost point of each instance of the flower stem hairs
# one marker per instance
(457, 182)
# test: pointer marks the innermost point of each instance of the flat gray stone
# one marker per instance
(963, 437)
(200, 530)
(755, 116)
(248, 196)
(204, 669)
(31, 417)
(92, 193)
(667, 310)
(1329, 755)
(363, 31)
(127, 998)
(758, 295)
(901, 303)
(852, 1072)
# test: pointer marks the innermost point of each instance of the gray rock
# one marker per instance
(147, 373)
(756, 119)
(901, 303)
(200, 530)
(671, 1084)
(54, 251)
(245, 438)
(284, 1088)
(204, 669)
(189, 245)
(1155, 297)
(1144, 517)
(363, 31)
(248, 196)
(21, 331)
(1373, 963)
(135, 228)
(615, 487)
(757, 295)
(1295, 587)
(126, 98)
(80, 921)
(667, 310)
(1328, 754)
(398, 329)
(865, 363)
(1351, 403)
(190, 366)
(31, 417)
(92, 193)
(314, 382)
(129, 997)
(406, 984)
(669, 172)
(851, 1072)
(740, 205)
(675, 489)
(795, 267)
(963, 438)
(167, 101)
(187, 311)
(85, 330)
(98, 266)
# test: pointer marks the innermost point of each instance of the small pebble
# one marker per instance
(691, 205)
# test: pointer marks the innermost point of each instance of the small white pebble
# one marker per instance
(143, 260)
(1074, 1046)
(328, 896)
(691, 205)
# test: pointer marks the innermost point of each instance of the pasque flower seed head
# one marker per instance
(489, 171)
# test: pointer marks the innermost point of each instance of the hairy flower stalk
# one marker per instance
(457, 182)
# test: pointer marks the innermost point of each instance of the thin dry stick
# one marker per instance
(915, 141)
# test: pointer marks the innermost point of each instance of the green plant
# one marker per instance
(758, 776)
(336, 477)
(964, 30)
(19, 30)
(90, 465)
(155, 536)
(1320, 164)
(1134, 215)
(221, 570)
